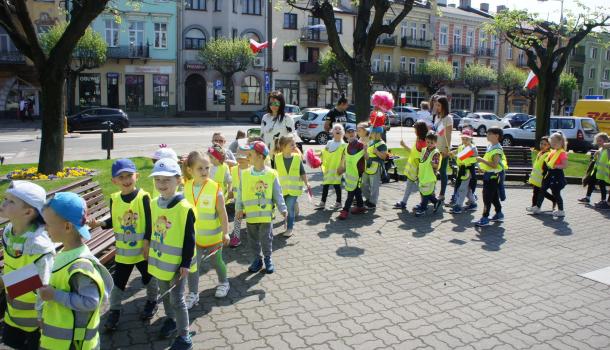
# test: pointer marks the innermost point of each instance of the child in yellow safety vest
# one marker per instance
(538, 173)
(79, 283)
(258, 192)
(131, 222)
(554, 179)
(332, 157)
(243, 164)
(24, 242)
(429, 162)
(212, 225)
(374, 157)
(466, 159)
(599, 172)
(412, 162)
(289, 166)
(492, 165)
(220, 172)
(352, 169)
(172, 249)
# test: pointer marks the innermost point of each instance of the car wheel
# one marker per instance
(256, 119)
(508, 141)
(322, 138)
(482, 131)
(117, 128)
(408, 122)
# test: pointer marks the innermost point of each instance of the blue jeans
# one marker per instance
(290, 202)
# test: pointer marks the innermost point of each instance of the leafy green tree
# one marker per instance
(547, 47)
(331, 68)
(90, 53)
(227, 56)
(436, 74)
(567, 84)
(50, 67)
(478, 77)
(511, 81)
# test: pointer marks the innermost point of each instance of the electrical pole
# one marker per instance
(269, 68)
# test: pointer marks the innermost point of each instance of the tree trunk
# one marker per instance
(71, 92)
(475, 100)
(544, 103)
(228, 99)
(361, 80)
(506, 97)
(531, 106)
(51, 156)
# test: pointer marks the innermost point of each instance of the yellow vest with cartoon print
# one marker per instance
(257, 196)
(129, 224)
(208, 228)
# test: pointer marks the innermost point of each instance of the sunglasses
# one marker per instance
(275, 104)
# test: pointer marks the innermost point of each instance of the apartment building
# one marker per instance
(590, 63)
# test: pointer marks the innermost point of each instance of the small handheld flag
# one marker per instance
(441, 130)
(22, 281)
(466, 153)
(403, 98)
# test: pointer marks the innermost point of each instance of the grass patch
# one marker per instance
(103, 176)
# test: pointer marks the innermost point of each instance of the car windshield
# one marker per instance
(309, 116)
(588, 125)
(529, 125)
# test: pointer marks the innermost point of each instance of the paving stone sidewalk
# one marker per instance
(391, 280)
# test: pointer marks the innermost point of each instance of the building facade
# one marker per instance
(590, 63)
(139, 75)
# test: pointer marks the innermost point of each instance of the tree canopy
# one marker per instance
(436, 74)
(478, 77)
(567, 84)
(332, 68)
(511, 81)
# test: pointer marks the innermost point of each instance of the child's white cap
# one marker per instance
(29, 192)
(165, 152)
(166, 167)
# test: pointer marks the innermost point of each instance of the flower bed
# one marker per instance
(33, 174)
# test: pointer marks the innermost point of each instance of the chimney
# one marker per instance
(501, 8)
(464, 4)
(484, 7)
(441, 2)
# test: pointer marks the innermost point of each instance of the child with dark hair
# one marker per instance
(412, 164)
(429, 161)
(493, 165)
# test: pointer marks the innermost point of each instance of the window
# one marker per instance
(590, 91)
(592, 73)
(250, 91)
(194, 39)
(422, 32)
(404, 30)
(460, 101)
(456, 69)
(482, 41)
(233, 33)
(339, 25)
(443, 35)
(414, 30)
(412, 65)
(196, 5)
(290, 90)
(594, 52)
(607, 55)
(486, 103)
(290, 53)
(217, 32)
(234, 6)
(403, 64)
(217, 5)
(420, 64)
(290, 21)
(521, 61)
(89, 89)
(161, 35)
(111, 32)
(470, 38)
(607, 74)
(136, 33)
(251, 7)
(376, 62)
(387, 63)
(6, 45)
(457, 37)
(494, 41)
(509, 52)
(160, 90)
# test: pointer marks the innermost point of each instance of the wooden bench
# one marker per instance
(519, 162)
(101, 243)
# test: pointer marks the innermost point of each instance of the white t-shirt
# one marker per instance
(425, 116)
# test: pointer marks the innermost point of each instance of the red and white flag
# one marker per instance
(441, 130)
(21, 281)
(532, 81)
(257, 47)
(466, 153)
(403, 98)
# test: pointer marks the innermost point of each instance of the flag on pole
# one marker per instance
(466, 153)
(403, 98)
(21, 281)
(531, 82)
(257, 47)
(441, 130)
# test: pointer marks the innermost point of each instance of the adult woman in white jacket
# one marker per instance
(276, 123)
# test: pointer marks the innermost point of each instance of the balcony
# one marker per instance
(129, 52)
(414, 43)
(580, 58)
(387, 41)
(417, 78)
(11, 57)
(309, 67)
(314, 36)
(486, 52)
(460, 50)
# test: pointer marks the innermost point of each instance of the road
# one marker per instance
(23, 145)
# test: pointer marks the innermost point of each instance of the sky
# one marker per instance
(547, 10)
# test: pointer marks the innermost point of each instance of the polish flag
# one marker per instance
(21, 281)
(257, 47)
(441, 130)
(531, 82)
(466, 153)
(403, 98)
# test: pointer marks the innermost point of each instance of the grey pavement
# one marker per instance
(389, 280)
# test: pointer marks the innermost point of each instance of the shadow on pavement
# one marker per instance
(492, 237)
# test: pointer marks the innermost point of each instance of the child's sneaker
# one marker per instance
(288, 233)
(182, 343)
(191, 300)
(420, 211)
(321, 205)
(400, 205)
(499, 217)
(437, 205)
(585, 200)
(602, 205)
(559, 213)
(269, 267)
(370, 205)
(358, 210)
(113, 320)
(534, 210)
(150, 309)
(471, 207)
(456, 209)
(234, 242)
(418, 207)
(222, 290)
(343, 215)
(168, 328)
(484, 221)
(451, 203)
(337, 206)
(256, 265)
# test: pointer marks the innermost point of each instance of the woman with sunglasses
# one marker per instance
(276, 123)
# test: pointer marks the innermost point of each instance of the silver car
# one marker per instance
(312, 125)
(578, 130)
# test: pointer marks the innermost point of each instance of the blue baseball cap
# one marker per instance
(166, 167)
(73, 209)
(123, 166)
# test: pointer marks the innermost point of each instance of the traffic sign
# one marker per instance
(218, 84)
(267, 83)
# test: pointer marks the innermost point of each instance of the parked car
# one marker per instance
(517, 119)
(578, 130)
(405, 115)
(481, 121)
(94, 119)
(456, 120)
(291, 110)
(312, 125)
(462, 113)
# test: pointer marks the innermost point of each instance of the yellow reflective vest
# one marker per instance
(352, 176)
(426, 175)
(257, 196)
(219, 177)
(602, 166)
(129, 224)
(331, 161)
(412, 163)
(489, 156)
(552, 157)
(291, 182)
(373, 163)
(466, 162)
(208, 228)
(536, 175)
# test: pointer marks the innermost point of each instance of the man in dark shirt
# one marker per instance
(337, 114)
